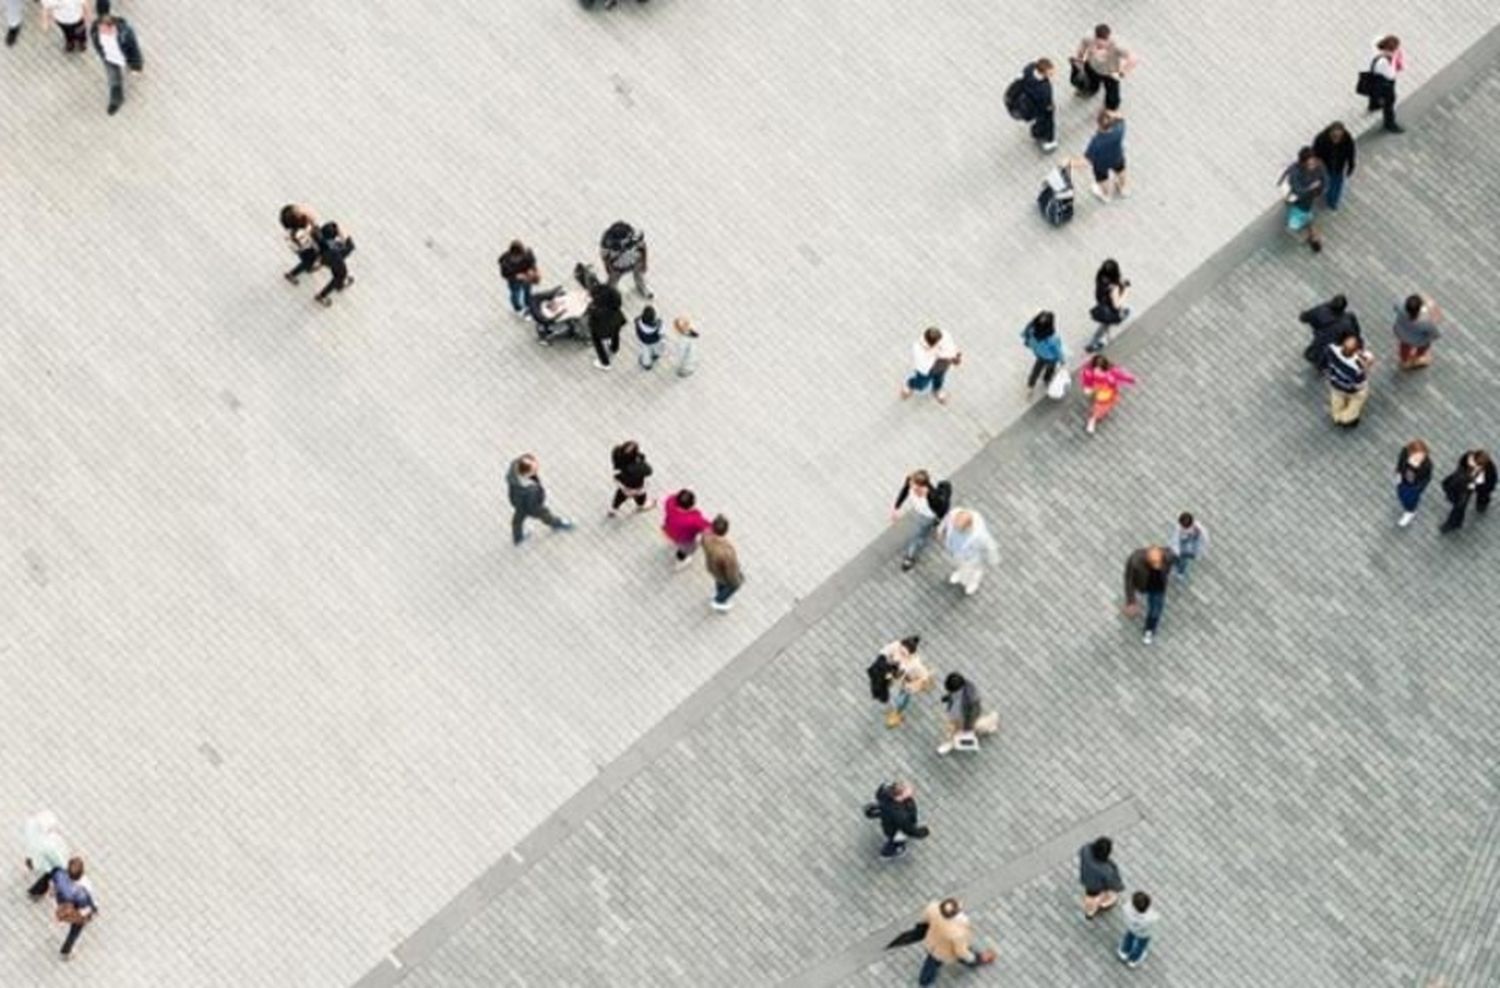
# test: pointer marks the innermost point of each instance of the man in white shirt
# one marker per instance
(69, 16)
(114, 40)
(931, 357)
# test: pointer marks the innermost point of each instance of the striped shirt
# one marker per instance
(1346, 372)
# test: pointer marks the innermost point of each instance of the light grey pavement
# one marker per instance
(261, 547)
(1309, 744)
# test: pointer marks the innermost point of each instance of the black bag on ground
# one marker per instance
(1055, 201)
(1017, 102)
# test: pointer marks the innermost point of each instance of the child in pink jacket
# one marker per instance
(1102, 381)
(683, 524)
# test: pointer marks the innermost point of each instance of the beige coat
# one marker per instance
(722, 561)
(947, 940)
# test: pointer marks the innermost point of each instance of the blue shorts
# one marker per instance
(1298, 218)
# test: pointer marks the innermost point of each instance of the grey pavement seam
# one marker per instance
(1012, 875)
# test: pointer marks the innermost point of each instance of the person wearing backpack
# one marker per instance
(1035, 102)
(623, 250)
(1330, 322)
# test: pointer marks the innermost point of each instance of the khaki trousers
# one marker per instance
(1347, 407)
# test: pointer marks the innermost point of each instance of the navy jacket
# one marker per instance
(129, 46)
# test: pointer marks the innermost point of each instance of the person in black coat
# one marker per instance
(1036, 89)
(1474, 477)
(1330, 322)
(334, 249)
(605, 320)
(895, 807)
(1334, 146)
(115, 42)
(1099, 876)
(631, 471)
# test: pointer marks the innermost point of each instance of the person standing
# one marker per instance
(301, 228)
(528, 498)
(683, 524)
(1188, 541)
(46, 850)
(631, 471)
(897, 675)
(1102, 381)
(1301, 184)
(1146, 574)
(15, 16)
(1099, 876)
(685, 346)
(929, 504)
(1335, 147)
(115, 42)
(1042, 339)
(723, 564)
(605, 322)
(1036, 90)
(1416, 330)
(70, 16)
(623, 251)
(335, 249)
(648, 333)
(1140, 926)
(1330, 322)
(1413, 474)
(1388, 62)
(1348, 369)
(518, 268)
(971, 547)
(1101, 61)
(1110, 291)
(75, 902)
(1105, 155)
(964, 718)
(1473, 477)
(949, 940)
(895, 807)
(932, 357)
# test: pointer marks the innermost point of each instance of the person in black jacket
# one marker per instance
(518, 268)
(528, 498)
(1036, 89)
(1330, 322)
(1146, 574)
(115, 42)
(631, 471)
(1099, 876)
(605, 322)
(334, 249)
(1413, 474)
(1334, 146)
(1474, 477)
(895, 807)
(929, 503)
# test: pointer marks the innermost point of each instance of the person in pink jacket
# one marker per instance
(683, 524)
(1102, 381)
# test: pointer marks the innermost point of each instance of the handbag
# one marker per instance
(1057, 388)
(1370, 83)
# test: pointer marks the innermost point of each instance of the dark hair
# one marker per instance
(954, 682)
(1388, 43)
(1413, 306)
(686, 498)
(920, 477)
(1101, 848)
(1109, 271)
(606, 297)
(932, 334)
(1336, 127)
(648, 316)
(75, 868)
(626, 451)
(1304, 155)
(1100, 362)
(1185, 519)
(911, 642)
(1044, 65)
(330, 230)
(1106, 119)
(1101, 31)
(1338, 304)
(1141, 901)
(292, 217)
(720, 525)
(949, 908)
(526, 464)
(1043, 324)
(102, 8)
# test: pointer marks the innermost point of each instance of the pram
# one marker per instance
(557, 312)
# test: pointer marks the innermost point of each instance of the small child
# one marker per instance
(1140, 923)
(648, 330)
(1188, 540)
(684, 345)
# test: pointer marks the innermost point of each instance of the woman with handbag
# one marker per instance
(301, 228)
(1110, 290)
(1101, 382)
(1378, 83)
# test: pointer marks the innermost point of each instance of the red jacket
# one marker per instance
(682, 525)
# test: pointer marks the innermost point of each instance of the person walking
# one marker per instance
(1146, 574)
(622, 249)
(1188, 541)
(1036, 93)
(115, 42)
(335, 248)
(1099, 876)
(1110, 292)
(631, 471)
(518, 268)
(897, 675)
(1416, 330)
(648, 333)
(46, 850)
(15, 17)
(70, 16)
(528, 498)
(971, 547)
(1348, 369)
(1105, 155)
(301, 229)
(932, 356)
(1102, 382)
(1473, 477)
(949, 940)
(1140, 926)
(1301, 183)
(964, 718)
(929, 504)
(1044, 342)
(1334, 146)
(895, 806)
(723, 564)
(75, 902)
(683, 524)
(1379, 82)
(685, 346)
(1413, 474)
(605, 321)
(1329, 322)
(1101, 61)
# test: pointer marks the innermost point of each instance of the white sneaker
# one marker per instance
(970, 589)
(723, 608)
(1099, 192)
(955, 577)
(1405, 519)
(1148, 638)
(1089, 427)
(599, 365)
(945, 747)
(1049, 146)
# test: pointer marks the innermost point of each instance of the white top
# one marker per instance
(1385, 67)
(924, 356)
(65, 11)
(109, 43)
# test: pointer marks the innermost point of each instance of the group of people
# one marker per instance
(317, 245)
(52, 866)
(113, 37)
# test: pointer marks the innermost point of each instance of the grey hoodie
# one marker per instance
(526, 493)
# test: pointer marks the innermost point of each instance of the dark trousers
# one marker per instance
(518, 521)
(1460, 507)
(1041, 370)
(614, 346)
(1385, 102)
(340, 272)
(520, 295)
(75, 38)
(621, 497)
(1111, 86)
(40, 886)
(1044, 127)
(116, 85)
(306, 260)
(931, 966)
(1156, 602)
(75, 930)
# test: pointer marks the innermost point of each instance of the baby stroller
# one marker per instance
(549, 314)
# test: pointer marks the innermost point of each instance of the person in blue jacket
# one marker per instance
(1041, 338)
(1106, 156)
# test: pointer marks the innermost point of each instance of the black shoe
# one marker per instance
(11, 35)
(290, 277)
(907, 564)
(115, 108)
(1395, 129)
(1445, 528)
(1316, 246)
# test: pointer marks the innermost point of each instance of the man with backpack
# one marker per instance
(623, 250)
(1030, 98)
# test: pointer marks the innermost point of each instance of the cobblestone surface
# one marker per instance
(260, 548)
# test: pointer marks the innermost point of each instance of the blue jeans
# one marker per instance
(920, 536)
(1335, 191)
(1183, 559)
(1156, 602)
(931, 966)
(920, 382)
(1134, 948)
(520, 295)
(1409, 497)
(723, 591)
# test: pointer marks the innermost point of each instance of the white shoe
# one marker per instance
(970, 589)
(723, 608)
(1089, 427)
(955, 577)
(945, 747)
(1405, 519)
(1148, 638)
(599, 365)
(1049, 146)
(1099, 192)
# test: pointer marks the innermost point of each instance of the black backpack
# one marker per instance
(1018, 101)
